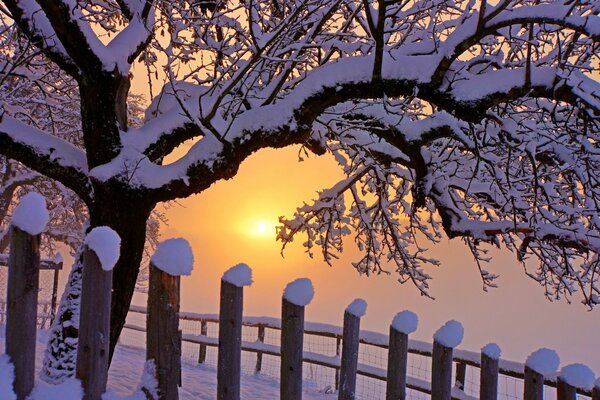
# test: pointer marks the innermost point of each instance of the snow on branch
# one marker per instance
(47, 154)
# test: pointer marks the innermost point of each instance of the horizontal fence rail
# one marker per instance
(461, 358)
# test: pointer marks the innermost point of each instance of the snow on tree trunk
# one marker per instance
(61, 351)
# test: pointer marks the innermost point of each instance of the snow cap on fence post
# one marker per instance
(543, 361)
(492, 350)
(405, 322)
(174, 256)
(31, 215)
(578, 375)
(450, 334)
(358, 308)
(299, 292)
(239, 275)
(106, 243)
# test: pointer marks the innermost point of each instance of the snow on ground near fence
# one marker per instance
(199, 381)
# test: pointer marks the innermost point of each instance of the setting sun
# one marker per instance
(262, 228)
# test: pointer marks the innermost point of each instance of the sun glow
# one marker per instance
(262, 228)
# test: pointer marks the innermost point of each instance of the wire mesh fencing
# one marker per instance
(46, 292)
(372, 358)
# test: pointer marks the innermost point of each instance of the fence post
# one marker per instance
(338, 352)
(162, 331)
(596, 390)
(230, 331)
(21, 308)
(54, 300)
(488, 379)
(570, 378)
(445, 339)
(539, 363)
(202, 349)
(565, 391)
(259, 354)
(94, 327)
(534, 385)
(350, 344)
(296, 296)
(403, 324)
(461, 374)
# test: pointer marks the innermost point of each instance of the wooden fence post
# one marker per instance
(534, 385)
(441, 368)
(461, 375)
(539, 363)
(296, 296)
(202, 349)
(572, 377)
(490, 367)
(94, 327)
(596, 391)
(259, 354)
(350, 345)
(338, 352)
(163, 343)
(230, 331)
(565, 391)
(21, 308)
(402, 325)
(445, 339)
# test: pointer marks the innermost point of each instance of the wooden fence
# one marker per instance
(46, 308)
(164, 341)
(462, 359)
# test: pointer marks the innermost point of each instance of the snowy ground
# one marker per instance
(199, 381)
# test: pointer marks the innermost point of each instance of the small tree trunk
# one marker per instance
(21, 308)
(292, 344)
(162, 330)
(93, 351)
(397, 365)
(230, 342)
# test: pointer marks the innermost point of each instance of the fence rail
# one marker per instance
(461, 358)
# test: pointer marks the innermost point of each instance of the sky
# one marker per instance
(233, 222)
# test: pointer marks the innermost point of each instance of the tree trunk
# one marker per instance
(130, 223)
(128, 217)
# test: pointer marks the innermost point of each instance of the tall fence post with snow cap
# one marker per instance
(296, 296)
(540, 363)
(571, 378)
(350, 343)
(444, 341)
(172, 259)
(596, 390)
(29, 220)
(490, 367)
(230, 331)
(99, 258)
(403, 324)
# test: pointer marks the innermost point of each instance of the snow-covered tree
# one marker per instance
(468, 118)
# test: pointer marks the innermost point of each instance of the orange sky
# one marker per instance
(221, 225)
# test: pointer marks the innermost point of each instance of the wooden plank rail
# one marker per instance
(470, 359)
